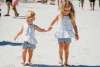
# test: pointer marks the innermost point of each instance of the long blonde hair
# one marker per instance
(72, 11)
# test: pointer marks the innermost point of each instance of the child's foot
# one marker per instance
(66, 65)
(28, 64)
(22, 63)
(61, 62)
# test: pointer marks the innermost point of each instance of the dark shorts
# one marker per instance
(92, 0)
(66, 40)
(9, 1)
(28, 45)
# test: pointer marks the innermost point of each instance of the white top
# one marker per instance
(64, 28)
(29, 33)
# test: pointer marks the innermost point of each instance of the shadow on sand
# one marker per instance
(20, 17)
(43, 65)
(4, 43)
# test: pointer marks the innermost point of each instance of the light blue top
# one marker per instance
(65, 28)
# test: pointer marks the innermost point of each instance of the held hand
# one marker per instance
(77, 36)
(45, 30)
(49, 28)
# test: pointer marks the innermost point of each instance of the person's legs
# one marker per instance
(67, 42)
(79, 3)
(64, 44)
(58, 3)
(82, 3)
(61, 52)
(66, 53)
(15, 11)
(24, 53)
(0, 12)
(8, 8)
(64, 49)
(99, 3)
(93, 5)
(30, 53)
(30, 48)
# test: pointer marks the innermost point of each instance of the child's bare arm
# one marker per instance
(52, 23)
(75, 29)
(19, 33)
(41, 29)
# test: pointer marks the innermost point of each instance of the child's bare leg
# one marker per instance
(61, 52)
(66, 53)
(24, 53)
(30, 52)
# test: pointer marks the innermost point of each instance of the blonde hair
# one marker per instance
(72, 11)
(30, 13)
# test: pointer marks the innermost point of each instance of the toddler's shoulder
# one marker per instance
(35, 26)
